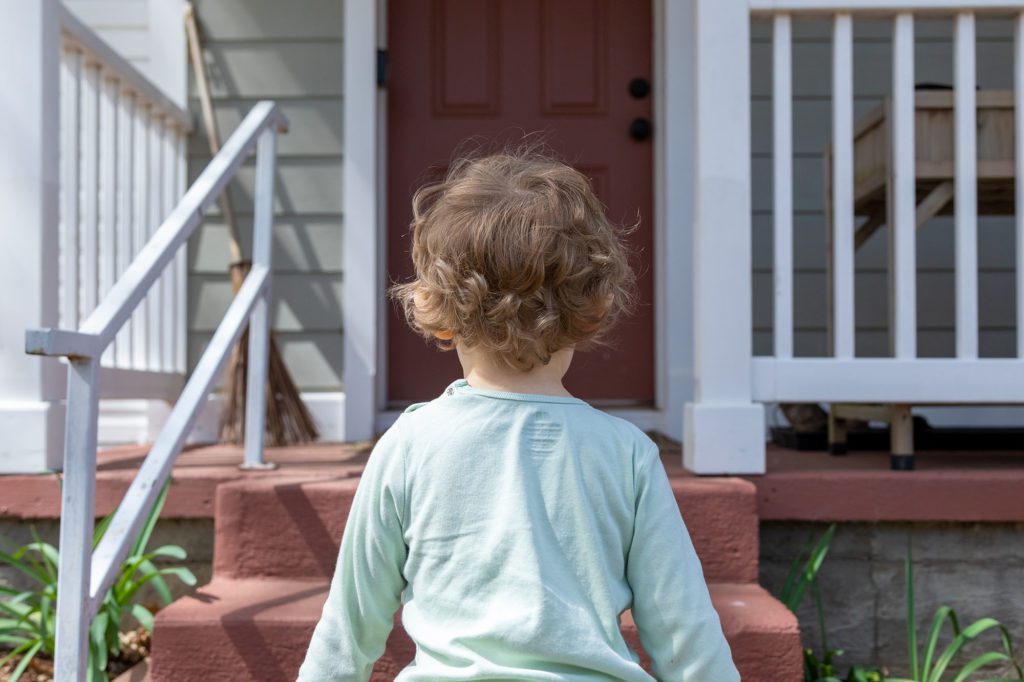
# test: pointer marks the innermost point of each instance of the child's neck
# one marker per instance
(481, 372)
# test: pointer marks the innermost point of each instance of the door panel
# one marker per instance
(494, 70)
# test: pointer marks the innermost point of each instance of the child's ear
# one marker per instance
(446, 335)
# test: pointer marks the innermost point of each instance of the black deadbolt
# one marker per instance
(640, 129)
(639, 87)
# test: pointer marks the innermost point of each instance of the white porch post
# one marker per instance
(724, 429)
(31, 412)
(361, 187)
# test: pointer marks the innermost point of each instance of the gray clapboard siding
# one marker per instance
(305, 185)
(812, 129)
(274, 68)
(314, 130)
(299, 301)
(123, 24)
(313, 358)
(305, 243)
(263, 20)
(290, 52)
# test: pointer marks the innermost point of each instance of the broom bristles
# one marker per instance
(288, 419)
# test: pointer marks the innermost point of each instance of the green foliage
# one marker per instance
(803, 577)
(935, 665)
(28, 618)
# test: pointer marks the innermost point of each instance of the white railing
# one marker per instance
(122, 169)
(93, 157)
(722, 239)
(903, 378)
(84, 574)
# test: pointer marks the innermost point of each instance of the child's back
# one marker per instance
(514, 521)
(527, 523)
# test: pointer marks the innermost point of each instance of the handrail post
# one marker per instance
(74, 607)
(259, 322)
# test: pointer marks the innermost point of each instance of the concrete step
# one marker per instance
(258, 629)
(291, 528)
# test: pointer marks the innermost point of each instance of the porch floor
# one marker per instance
(800, 485)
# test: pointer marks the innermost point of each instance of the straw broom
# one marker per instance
(288, 421)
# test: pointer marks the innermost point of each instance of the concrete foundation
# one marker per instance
(975, 568)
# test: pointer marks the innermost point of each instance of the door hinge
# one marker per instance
(383, 65)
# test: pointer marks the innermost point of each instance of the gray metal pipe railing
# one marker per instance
(84, 574)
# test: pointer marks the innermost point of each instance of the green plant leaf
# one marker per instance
(147, 529)
(789, 585)
(943, 614)
(98, 636)
(143, 563)
(49, 553)
(915, 671)
(980, 662)
(143, 615)
(971, 632)
(159, 584)
(25, 660)
(11, 655)
(17, 564)
(101, 528)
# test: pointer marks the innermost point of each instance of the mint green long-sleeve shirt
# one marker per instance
(514, 529)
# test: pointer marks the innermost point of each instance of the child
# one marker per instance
(512, 521)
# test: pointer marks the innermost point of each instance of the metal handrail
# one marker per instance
(84, 574)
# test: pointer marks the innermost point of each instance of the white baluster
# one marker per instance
(966, 187)
(902, 199)
(70, 97)
(181, 263)
(154, 187)
(125, 197)
(140, 319)
(782, 154)
(842, 186)
(89, 276)
(108, 194)
(168, 171)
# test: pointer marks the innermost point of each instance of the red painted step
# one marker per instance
(258, 629)
(276, 545)
(291, 528)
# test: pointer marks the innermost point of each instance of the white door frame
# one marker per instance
(364, 375)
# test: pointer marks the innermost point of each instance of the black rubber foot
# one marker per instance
(837, 448)
(902, 462)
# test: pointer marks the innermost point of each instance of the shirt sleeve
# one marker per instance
(368, 579)
(678, 626)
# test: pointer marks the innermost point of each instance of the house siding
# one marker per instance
(291, 53)
(935, 255)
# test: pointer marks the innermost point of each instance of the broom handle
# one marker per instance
(195, 53)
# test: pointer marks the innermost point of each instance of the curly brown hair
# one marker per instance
(514, 253)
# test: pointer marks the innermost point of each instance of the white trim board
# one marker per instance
(363, 250)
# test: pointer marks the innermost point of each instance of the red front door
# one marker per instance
(497, 69)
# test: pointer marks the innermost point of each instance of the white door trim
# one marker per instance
(364, 233)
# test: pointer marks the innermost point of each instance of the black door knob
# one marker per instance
(639, 87)
(640, 129)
